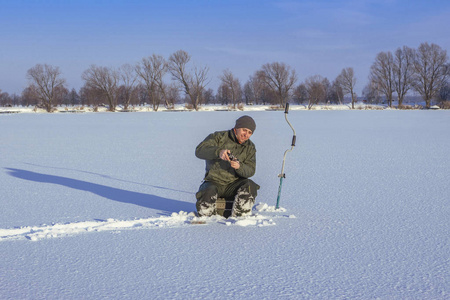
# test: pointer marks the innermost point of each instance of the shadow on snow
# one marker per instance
(124, 196)
(110, 177)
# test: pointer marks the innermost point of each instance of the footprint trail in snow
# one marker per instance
(35, 233)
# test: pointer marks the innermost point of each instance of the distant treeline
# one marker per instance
(157, 81)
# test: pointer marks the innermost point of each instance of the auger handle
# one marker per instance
(294, 138)
(282, 175)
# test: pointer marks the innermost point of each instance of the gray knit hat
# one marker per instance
(246, 122)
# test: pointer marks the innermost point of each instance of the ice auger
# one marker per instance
(282, 175)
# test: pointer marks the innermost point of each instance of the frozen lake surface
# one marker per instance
(97, 206)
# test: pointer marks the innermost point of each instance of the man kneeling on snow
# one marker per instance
(230, 161)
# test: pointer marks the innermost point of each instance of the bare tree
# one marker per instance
(73, 98)
(444, 93)
(45, 82)
(128, 78)
(316, 90)
(5, 100)
(254, 88)
(61, 93)
(329, 92)
(233, 85)
(337, 93)
(382, 74)
(301, 94)
(347, 81)
(403, 71)
(208, 96)
(171, 95)
(29, 96)
(104, 81)
(431, 71)
(371, 93)
(152, 70)
(193, 83)
(141, 94)
(223, 94)
(248, 93)
(279, 79)
(91, 96)
(12, 99)
(15, 99)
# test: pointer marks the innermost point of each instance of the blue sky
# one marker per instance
(313, 36)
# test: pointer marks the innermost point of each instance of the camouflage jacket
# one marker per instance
(220, 171)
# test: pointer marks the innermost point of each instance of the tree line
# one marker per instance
(392, 75)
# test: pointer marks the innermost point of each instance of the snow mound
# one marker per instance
(253, 220)
(265, 207)
(180, 219)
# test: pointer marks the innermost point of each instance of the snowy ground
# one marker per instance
(97, 206)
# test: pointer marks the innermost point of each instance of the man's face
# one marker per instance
(243, 134)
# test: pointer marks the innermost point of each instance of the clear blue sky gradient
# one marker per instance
(312, 36)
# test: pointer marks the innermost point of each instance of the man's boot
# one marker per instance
(206, 206)
(243, 202)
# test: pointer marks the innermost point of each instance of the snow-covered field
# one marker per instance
(97, 206)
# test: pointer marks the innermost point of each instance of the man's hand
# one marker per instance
(224, 155)
(235, 164)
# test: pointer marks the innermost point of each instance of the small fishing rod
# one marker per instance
(282, 175)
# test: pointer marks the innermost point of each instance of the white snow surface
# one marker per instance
(96, 206)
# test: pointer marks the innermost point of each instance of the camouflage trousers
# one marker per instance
(243, 193)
